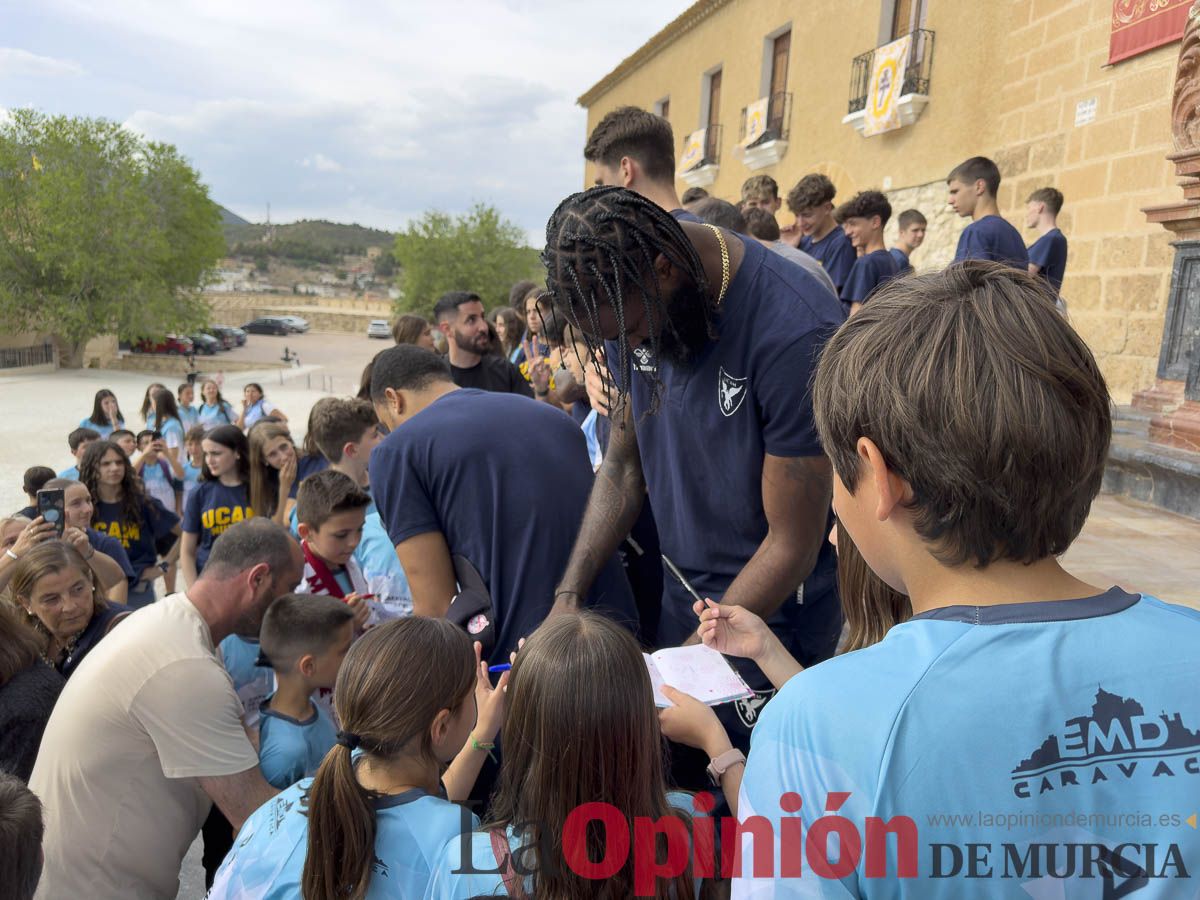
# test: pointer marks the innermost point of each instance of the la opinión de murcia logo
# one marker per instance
(1118, 740)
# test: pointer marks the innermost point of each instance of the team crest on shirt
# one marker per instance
(730, 392)
(750, 708)
(643, 359)
(476, 624)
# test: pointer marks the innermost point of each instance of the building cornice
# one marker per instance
(679, 26)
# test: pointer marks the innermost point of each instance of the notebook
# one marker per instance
(697, 670)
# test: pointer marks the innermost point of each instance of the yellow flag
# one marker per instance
(887, 80)
(37, 166)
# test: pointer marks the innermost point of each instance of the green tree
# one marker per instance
(102, 232)
(477, 251)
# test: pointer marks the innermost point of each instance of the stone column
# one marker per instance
(1175, 397)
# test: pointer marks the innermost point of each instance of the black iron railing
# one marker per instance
(779, 119)
(16, 357)
(916, 72)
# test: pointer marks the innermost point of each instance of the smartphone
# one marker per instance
(51, 506)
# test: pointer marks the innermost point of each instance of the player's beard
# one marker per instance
(686, 331)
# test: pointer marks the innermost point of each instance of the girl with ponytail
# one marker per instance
(373, 821)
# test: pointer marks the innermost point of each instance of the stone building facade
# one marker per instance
(1025, 82)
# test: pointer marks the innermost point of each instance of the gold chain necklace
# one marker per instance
(724, 261)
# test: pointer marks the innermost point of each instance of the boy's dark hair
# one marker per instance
(867, 204)
(1052, 197)
(448, 304)
(760, 187)
(195, 433)
(406, 367)
(81, 436)
(519, 292)
(722, 213)
(640, 135)
(1001, 426)
(975, 168)
(337, 421)
(21, 832)
(325, 494)
(121, 432)
(35, 478)
(839, 213)
(761, 224)
(810, 192)
(144, 433)
(693, 194)
(298, 625)
(910, 217)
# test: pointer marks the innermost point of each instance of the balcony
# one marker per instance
(704, 173)
(769, 146)
(914, 92)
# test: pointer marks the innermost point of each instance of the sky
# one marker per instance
(368, 112)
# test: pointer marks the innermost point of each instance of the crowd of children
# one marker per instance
(516, 749)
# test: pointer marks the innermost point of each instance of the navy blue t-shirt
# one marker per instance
(305, 466)
(903, 266)
(505, 479)
(114, 550)
(834, 252)
(746, 394)
(868, 272)
(993, 238)
(211, 508)
(1049, 254)
(138, 538)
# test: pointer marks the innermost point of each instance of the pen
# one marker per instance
(503, 667)
(679, 577)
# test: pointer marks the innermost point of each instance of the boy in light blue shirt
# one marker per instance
(1025, 733)
(305, 639)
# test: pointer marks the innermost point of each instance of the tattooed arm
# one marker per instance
(612, 508)
(796, 495)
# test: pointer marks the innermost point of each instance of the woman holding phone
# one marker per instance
(106, 414)
(144, 526)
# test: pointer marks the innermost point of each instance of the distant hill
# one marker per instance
(326, 239)
(229, 217)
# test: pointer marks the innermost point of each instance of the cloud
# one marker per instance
(371, 112)
(16, 63)
(321, 163)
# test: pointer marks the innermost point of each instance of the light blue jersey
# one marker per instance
(410, 831)
(289, 750)
(71, 473)
(189, 416)
(218, 414)
(1025, 750)
(105, 431)
(253, 683)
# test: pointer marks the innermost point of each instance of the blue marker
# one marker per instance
(500, 668)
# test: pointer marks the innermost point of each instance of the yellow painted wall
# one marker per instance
(1005, 79)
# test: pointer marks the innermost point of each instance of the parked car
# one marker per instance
(268, 325)
(172, 345)
(239, 334)
(296, 324)
(206, 344)
(225, 335)
(379, 328)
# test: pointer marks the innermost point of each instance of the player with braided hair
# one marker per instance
(713, 341)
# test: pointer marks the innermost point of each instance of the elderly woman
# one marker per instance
(63, 602)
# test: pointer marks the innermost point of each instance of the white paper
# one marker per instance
(698, 671)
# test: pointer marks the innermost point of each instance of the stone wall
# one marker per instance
(945, 225)
(1005, 82)
(164, 364)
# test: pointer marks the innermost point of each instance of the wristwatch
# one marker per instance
(721, 764)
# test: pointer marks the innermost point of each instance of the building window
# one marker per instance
(712, 118)
(780, 51)
(663, 108)
(907, 16)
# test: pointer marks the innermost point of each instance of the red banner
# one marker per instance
(1141, 25)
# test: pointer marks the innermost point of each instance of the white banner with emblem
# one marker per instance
(756, 121)
(887, 78)
(693, 151)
